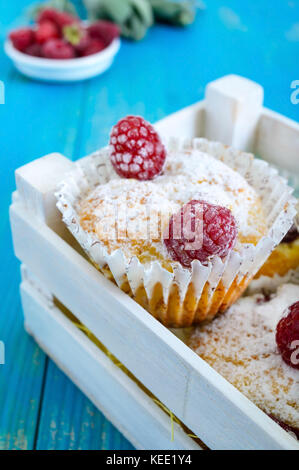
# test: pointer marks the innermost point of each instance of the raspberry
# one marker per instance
(47, 14)
(45, 31)
(286, 426)
(94, 46)
(34, 50)
(287, 336)
(59, 18)
(291, 236)
(200, 230)
(136, 149)
(57, 49)
(104, 30)
(22, 38)
(83, 45)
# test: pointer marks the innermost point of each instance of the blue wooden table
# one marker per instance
(39, 407)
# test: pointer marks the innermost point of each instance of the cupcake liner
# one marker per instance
(297, 215)
(183, 297)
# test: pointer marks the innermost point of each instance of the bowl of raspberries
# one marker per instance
(61, 47)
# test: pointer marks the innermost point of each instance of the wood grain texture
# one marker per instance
(21, 377)
(149, 78)
(70, 421)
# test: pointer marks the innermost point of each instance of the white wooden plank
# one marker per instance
(187, 123)
(36, 183)
(277, 140)
(28, 277)
(233, 107)
(117, 396)
(188, 386)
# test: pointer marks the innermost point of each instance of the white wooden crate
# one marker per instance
(203, 400)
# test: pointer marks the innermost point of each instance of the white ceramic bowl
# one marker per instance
(69, 70)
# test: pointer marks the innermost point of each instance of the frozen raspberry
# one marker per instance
(59, 18)
(200, 230)
(136, 149)
(287, 336)
(34, 50)
(45, 31)
(104, 30)
(291, 236)
(47, 14)
(22, 38)
(286, 427)
(94, 46)
(84, 44)
(57, 49)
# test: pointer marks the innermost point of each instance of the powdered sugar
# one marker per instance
(270, 284)
(129, 214)
(241, 346)
(187, 175)
(135, 141)
(197, 175)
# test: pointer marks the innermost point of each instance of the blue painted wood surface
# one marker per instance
(39, 407)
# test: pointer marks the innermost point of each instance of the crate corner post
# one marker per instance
(233, 108)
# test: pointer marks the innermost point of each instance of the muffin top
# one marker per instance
(241, 346)
(132, 215)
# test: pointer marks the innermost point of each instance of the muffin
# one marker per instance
(241, 345)
(121, 203)
(285, 258)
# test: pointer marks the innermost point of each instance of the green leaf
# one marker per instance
(134, 29)
(133, 16)
(177, 13)
(117, 10)
(144, 11)
(72, 33)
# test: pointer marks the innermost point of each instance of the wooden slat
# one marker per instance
(21, 377)
(187, 123)
(38, 193)
(201, 398)
(277, 140)
(112, 391)
(233, 107)
(70, 420)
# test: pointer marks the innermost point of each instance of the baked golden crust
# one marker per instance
(283, 259)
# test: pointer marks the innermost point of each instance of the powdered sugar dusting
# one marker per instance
(241, 346)
(130, 214)
(197, 175)
(134, 140)
(188, 175)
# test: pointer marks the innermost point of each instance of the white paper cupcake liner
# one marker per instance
(236, 270)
